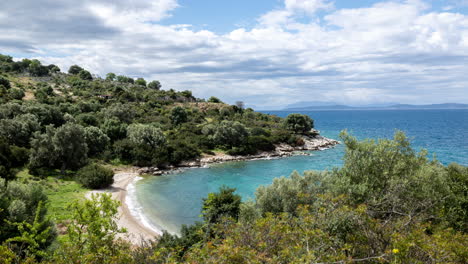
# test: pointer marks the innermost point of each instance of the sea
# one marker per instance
(170, 201)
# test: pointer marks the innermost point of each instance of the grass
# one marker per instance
(60, 191)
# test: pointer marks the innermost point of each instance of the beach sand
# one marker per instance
(136, 231)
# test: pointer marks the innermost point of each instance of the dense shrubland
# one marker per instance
(387, 204)
(65, 120)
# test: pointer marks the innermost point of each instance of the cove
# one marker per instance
(175, 199)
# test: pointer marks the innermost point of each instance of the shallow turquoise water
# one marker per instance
(172, 200)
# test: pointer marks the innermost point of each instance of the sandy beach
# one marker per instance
(136, 231)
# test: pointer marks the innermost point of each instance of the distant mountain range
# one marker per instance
(331, 106)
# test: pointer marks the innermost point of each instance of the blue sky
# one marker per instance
(268, 53)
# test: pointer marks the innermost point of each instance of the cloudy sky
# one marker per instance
(267, 53)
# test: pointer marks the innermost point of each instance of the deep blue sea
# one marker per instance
(169, 201)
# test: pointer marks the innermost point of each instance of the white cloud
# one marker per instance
(308, 6)
(398, 51)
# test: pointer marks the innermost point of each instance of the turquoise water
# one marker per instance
(172, 200)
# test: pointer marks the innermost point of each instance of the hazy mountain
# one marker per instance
(372, 107)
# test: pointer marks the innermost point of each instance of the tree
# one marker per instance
(75, 69)
(230, 134)
(149, 144)
(146, 135)
(213, 99)
(224, 203)
(141, 82)
(114, 129)
(85, 75)
(70, 146)
(111, 76)
(53, 68)
(37, 69)
(155, 85)
(178, 115)
(95, 176)
(19, 130)
(299, 124)
(42, 152)
(96, 140)
(124, 79)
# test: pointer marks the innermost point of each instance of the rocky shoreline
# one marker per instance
(311, 143)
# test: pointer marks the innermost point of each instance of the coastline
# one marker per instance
(311, 143)
(123, 189)
(137, 228)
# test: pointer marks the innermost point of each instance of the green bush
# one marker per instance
(95, 176)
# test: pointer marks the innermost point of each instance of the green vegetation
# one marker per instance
(95, 176)
(387, 204)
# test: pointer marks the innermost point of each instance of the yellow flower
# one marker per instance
(395, 251)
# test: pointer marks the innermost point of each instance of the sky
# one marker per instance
(267, 53)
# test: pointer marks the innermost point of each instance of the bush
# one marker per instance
(5, 82)
(95, 176)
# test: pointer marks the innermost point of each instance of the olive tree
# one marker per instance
(178, 115)
(70, 145)
(230, 134)
(64, 147)
(96, 140)
(149, 144)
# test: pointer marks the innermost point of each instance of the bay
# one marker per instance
(172, 200)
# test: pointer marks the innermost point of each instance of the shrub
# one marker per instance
(95, 176)
(5, 82)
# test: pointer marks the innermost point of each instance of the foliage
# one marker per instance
(155, 85)
(22, 214)
(299, 124)
(92, 236)
(148, 143)
(95, 176)
(33, 236)
(5, 82)
(85, 75)
(230, 134)
(6, 161)
(213, 99)
(70, 146)
(96, 140)
(178, 115)
(75, 69)
(221, 204)
(140, 81)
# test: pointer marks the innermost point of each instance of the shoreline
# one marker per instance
(311, 143)
(123, 189)
(135, 225)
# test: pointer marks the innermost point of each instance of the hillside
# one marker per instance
(121, 120)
